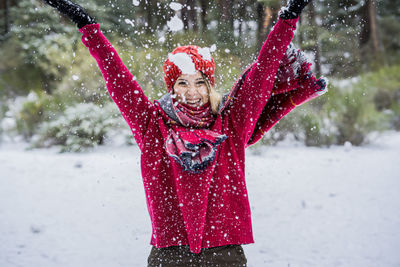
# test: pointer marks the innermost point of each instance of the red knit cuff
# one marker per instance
(89, 33)
(89, 29)
(291, 22)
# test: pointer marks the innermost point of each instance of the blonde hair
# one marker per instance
(214, 96)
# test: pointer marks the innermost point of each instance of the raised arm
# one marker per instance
(257, 87)
(124, 90)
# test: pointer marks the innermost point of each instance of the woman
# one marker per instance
(193, 142)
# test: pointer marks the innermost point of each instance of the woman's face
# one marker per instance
(191, 89)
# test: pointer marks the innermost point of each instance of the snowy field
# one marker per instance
(310, 207)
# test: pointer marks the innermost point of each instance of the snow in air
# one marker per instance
(175, 6)
(161, 39)
(130, 22)
(135, 2)
(175, 24)
(213, 48)
(75, 77)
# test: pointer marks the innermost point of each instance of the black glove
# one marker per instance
(293, 9)
(74, 11)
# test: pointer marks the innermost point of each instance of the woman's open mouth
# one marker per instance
(194, 102)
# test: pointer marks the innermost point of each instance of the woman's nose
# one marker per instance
(192, 90)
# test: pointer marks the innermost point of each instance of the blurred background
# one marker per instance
(52, 93)
(325, 178)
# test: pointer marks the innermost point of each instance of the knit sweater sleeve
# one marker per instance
(121, 84)
(257, 87)
(277, 107)
(280, 105)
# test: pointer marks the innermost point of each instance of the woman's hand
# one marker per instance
(293, 9)
(74, 11)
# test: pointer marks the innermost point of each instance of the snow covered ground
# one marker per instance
(310, 207)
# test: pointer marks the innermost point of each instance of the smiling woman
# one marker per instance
(193, 141)
(191, 89)
(196, 90)
(189, 74)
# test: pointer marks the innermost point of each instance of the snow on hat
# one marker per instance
(187, 60)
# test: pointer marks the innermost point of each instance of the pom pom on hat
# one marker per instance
(187, 60)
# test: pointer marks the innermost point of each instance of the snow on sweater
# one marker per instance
(210, 208)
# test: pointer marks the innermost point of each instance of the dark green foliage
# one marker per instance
(347, 113)
(42, 54)
(382, 100)
(31, 115)
(386, 85)
(80, 127)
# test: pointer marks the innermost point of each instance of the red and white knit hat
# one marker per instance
(187, 60)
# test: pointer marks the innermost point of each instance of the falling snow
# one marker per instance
(175, 24)
(130, 22)
(175, 6)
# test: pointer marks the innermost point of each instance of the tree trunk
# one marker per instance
(203, 14)
(241, 17)
(260, 24)
(6, 16)
(230, 6)
(369, 37)
(184, 15)
(374, 28)
(314, 38)
(149, 8)
(225, 23)
(226, 16)
(266, 16)
(192, 14)
(365, 31)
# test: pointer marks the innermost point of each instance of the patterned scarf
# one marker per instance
(189, 142)
(194, 117)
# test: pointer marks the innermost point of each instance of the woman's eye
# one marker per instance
(201, 82)
(182, 83)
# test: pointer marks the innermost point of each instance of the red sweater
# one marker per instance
(210, 208)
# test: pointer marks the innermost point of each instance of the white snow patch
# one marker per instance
(175, 24)
(310, 206)
(175, 6)
(184, 62)
(8, 123)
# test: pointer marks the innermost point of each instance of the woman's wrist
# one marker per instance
(293, 9)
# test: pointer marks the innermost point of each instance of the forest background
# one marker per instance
(52, 93)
